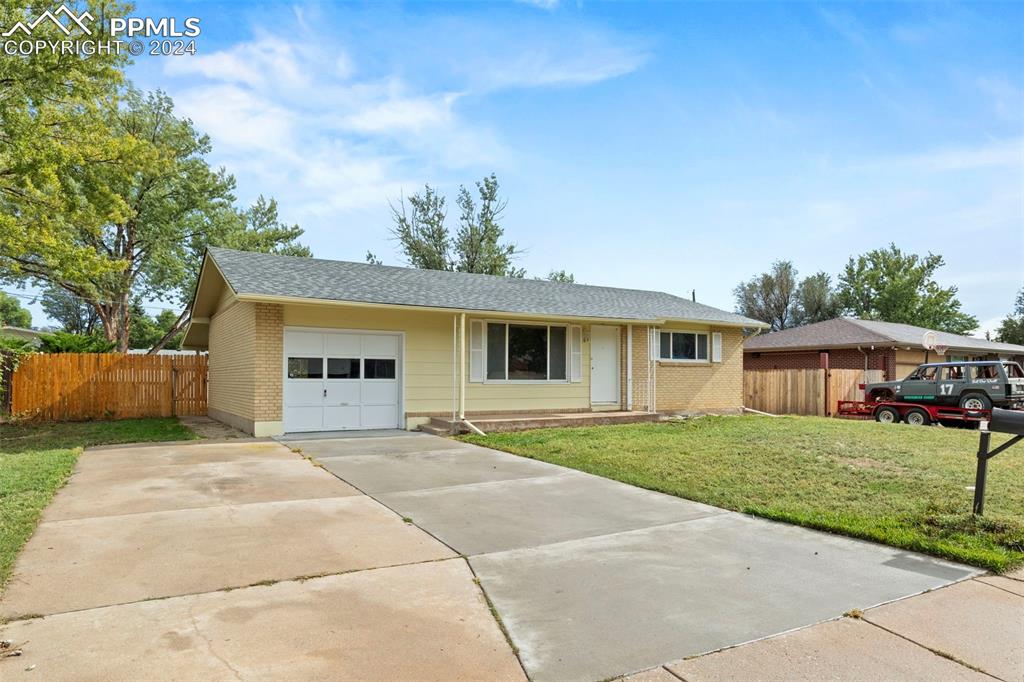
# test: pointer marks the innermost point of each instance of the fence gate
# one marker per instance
(76, 386)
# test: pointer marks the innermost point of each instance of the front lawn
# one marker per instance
(36, 460)
(901, 485)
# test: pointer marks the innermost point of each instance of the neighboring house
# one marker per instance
(849, 343)
(302, 344)
(21, 333)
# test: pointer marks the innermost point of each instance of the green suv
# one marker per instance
(970, 385)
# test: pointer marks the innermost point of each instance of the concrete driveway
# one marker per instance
(238, 560)
(594, 579)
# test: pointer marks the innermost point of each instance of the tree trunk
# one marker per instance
(178, 325)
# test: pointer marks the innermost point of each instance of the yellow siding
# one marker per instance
(232, 367)
(428, 362)
(246, 367)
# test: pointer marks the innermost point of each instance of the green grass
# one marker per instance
(36, 460)
(900, 485)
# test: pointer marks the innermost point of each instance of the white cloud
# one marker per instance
(1003, 153)
(542, 4)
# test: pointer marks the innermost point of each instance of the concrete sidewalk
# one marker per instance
(238, 560)
(973, 630)
(594, 579)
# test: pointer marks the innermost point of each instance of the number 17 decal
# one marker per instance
(945, 389)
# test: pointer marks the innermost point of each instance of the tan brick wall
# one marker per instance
(698, 387)
(232, 372)
(641, 367)
(268, 359)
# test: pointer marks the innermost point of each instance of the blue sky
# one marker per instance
(670, 146)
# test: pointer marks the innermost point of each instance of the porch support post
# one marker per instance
(455, 366)
(629, 367)
(462, 365)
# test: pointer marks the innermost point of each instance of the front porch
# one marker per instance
(506, 421)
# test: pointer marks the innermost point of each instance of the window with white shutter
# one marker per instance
(576, 355)
(476, 351)
(716, 347)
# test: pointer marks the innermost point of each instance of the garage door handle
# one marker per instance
(325, 392)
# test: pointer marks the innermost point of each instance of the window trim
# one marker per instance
(547, 358)
(682, 361)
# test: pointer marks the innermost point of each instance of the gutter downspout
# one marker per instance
(629, 367)
(462, 365)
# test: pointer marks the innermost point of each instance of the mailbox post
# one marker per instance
(1002, 421)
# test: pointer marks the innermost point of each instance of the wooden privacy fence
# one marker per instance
(804, 391)
(75, 386)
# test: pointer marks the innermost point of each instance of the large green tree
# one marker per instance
(73, 314)
(51, 126)
(770, 296)
(11, 312)
(1011, 329)
(886, 284)
(172, 205)
(816, 300)
(781, 299)
(424, 238)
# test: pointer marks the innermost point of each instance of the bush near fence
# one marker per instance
(80, 386)
(804, 391)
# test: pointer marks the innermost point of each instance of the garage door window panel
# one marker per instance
(380, 368)
(342, 368)
(305, 368)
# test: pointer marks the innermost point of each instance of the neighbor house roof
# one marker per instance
(21, 333)
(259, 275)
(848, 332)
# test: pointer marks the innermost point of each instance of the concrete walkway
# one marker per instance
(973, 630)
(238, 560)
(594, 579)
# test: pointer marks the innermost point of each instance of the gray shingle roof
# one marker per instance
(848, 331)
(313, 278)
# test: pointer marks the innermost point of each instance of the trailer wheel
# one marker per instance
(917, 417)
(887, 415)
(975, 401)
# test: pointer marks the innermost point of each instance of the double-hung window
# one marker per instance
(526, 352)
(685, 346)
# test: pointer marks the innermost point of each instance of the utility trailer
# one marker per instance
(917, 414)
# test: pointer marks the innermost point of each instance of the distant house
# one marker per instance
(850, 343)
(21, 333)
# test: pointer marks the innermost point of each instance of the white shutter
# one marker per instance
(476, 351)
(576, 354)
(716, 347)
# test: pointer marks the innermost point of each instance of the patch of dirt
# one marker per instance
(209, 428)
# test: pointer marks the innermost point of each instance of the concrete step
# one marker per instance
(435, 430)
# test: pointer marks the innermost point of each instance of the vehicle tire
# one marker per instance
(917, 417)
(887, 415)
(975, 401)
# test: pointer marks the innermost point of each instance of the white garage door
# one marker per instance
(341, 380)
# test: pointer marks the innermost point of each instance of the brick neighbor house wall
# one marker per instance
(838, 358)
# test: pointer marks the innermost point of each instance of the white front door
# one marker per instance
(604, 365)
(341, 380)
